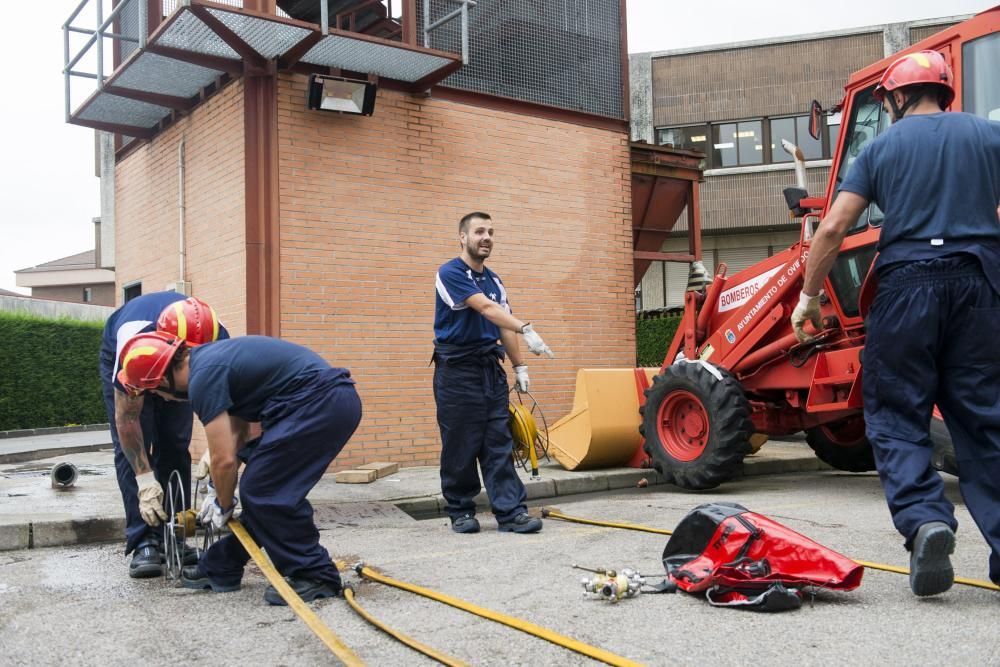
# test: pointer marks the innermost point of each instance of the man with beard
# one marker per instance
(474, 329)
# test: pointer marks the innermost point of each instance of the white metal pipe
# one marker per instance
(181, 209)
(800, 162)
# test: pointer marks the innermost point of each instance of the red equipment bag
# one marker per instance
(742, 559)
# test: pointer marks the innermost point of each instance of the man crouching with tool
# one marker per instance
(307, 411)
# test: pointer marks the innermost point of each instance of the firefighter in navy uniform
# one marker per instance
(307, 411)
(474, 330)
(936, 176)
(151, 436)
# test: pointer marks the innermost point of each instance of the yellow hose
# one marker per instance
(902, 570)
(412, 643)
(308, 616)
(553, 514)
(516, 623)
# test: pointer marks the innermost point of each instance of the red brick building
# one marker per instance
(326, 229)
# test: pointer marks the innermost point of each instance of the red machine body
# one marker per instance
(735, 369)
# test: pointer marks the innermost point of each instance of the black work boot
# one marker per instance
(930, 566)
(146, 561)
(522, 523)
(306, 588)
(196, 578)
(466, 523)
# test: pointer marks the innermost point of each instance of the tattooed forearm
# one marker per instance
(127, 409)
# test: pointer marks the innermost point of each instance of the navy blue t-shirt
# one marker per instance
(137, 316)
(454, 322)
(936, 177)
(241, 375)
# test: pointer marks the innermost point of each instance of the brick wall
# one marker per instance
(369, 209)
(752, 200)
(766, 80)
(147, 211)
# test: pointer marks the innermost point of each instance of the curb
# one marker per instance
(35, 455)
(53, 430)
(90, 530)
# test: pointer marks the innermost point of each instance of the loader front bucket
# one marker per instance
(602, 430)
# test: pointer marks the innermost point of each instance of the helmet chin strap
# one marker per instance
(899, 111)
(172, 388)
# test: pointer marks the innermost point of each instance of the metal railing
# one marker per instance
(96, 38)
(462, 10)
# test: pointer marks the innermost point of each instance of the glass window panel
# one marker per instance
(724, 145)
(980, 87)
(781, 128)
(834, 131)
(750, 139)
(812, 149)
(694, 138)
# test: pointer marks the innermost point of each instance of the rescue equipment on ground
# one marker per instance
(434, 654)
(530, 442)
(182, 524)
(739, 558)
(555, 514)
(301, 609)
(607, 657)
(63, 475)
(612, 585)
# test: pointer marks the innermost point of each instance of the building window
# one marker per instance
(692, 137)
(88, 295)
(129, 292)
(736, 144)
(795, 130)
(751, 142)
(833, 132)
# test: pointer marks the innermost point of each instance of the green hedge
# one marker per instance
(48, 372)
(653, 338)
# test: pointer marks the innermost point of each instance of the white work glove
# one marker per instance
(535, 342)
(209, 492)
(808, 309)
(521, 381)
(212, 513)
(150, 499)
(202, 469)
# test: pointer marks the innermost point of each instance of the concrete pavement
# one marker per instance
(34, 515)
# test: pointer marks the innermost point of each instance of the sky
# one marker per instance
(49, 192)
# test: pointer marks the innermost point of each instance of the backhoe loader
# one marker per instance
(735, 373)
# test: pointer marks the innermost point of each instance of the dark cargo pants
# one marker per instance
(471, 397)
(932, 339)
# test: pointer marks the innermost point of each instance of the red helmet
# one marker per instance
(920, 67)
(144, 360)
(192, 320)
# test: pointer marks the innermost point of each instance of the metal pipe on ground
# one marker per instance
(63, 475)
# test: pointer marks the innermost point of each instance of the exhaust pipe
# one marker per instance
(63, 475)
(800, 162)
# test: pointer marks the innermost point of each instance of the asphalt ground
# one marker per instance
(76, 605)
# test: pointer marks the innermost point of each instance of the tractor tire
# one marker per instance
(843, 445)
(697, 427)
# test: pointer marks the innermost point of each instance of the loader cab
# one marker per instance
(973, 49)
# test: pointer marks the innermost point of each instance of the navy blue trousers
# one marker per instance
(471, 397)
(930, 340)
(302, 435)
(166, 434)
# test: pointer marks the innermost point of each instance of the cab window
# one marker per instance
(980, 83)
(867, 121)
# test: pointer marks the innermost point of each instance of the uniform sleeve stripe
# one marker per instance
(443, 293)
